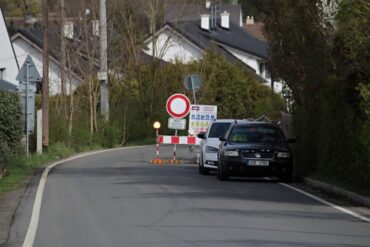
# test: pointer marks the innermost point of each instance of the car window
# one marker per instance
(218, 129)
(256, 134)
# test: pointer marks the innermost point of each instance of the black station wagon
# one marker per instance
(255, 149)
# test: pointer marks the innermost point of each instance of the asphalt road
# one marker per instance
(118, 199)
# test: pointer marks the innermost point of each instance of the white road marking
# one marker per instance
(344, 210)
(32, 228)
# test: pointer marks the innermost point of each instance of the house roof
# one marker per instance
(35, 36)
(186, 12)
(203, 42)
(7, 86)
(234, 37)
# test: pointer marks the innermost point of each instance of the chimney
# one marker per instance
(204, 22)
(208, 4)
(95, 27)
(68, 29)
(225, 20)
(249, 20)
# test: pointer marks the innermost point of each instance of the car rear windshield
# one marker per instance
(218, 129)
(256, 134)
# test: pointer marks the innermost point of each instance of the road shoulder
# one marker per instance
(9, 204)
(326, 192)
(339, 192)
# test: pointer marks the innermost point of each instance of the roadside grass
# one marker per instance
(147, 141)
(349, 184)
(20, 168)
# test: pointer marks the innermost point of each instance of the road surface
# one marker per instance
(118, 199)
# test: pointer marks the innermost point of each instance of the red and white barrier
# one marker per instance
(190, 140)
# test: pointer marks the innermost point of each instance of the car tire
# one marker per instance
(222, 175)
(202, 170)
(286, 176)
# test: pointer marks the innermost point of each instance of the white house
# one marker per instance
(187, 39)
(30, 42)
(8, 62)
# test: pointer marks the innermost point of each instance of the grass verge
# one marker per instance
(19, 168)
(349, 185)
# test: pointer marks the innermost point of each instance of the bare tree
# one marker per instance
(133, 22)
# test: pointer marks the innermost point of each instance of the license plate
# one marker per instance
(258, 162)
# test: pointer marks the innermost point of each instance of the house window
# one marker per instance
(2, 73)
(262, 68)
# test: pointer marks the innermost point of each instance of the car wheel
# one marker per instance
(221, 173)
(286, 176)
(202, 170)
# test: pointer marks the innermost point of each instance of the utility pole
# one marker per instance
(45, 77)
(103, 75)
(62, 47)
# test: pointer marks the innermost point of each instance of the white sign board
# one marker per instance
(177, 123)
(102, 76)
(200, 117)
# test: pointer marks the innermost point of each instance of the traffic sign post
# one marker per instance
(193, 83)
(27, 135)
(156, 126)
(174, 148)
(29, 75)
(178, 105)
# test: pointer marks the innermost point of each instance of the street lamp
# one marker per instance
(157, 126)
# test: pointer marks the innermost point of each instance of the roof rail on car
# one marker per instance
(263, 118)
(250, 119)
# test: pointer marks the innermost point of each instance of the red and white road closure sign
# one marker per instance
(190, 140)
(178, 105)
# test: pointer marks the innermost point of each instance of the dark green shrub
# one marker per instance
(5, 155)
(10, 123)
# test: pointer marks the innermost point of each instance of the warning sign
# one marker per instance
(200, 117)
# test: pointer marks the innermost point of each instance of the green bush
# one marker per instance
(333, 140)
(5, 155)
(10, 126)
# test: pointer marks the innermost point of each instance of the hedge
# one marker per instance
(10, 126)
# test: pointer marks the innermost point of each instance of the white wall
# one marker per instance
(7, 58)
(254, 62)
(170, 46)
(23, 49)
(247, 59)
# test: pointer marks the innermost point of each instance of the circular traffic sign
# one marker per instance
(193, 82)
(178, 105)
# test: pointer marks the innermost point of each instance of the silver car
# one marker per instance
(210, 143)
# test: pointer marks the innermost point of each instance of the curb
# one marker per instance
(365, 201)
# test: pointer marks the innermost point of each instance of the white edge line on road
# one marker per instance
(32, 228)
(344, 210)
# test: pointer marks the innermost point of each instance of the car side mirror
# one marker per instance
(201, 136)
(291, 140)
(222, 138)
